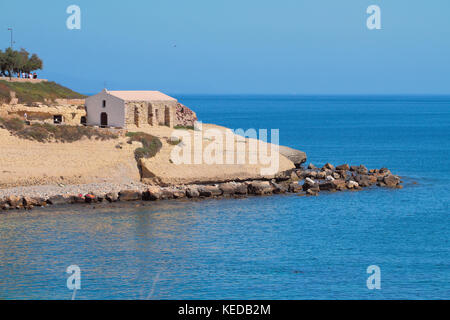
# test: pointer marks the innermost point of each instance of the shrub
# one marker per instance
(48, 132)
(13, 124)
(151, 145)
(178, 126)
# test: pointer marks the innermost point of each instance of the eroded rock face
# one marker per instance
(192, 192)
(260, 188)
(184, 116)
(209, 191)
(130, 195)
(112, 197)
(296, 156)
(152, 194)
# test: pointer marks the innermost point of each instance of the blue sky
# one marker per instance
(238, 47)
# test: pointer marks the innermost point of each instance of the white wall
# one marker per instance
(115, 108)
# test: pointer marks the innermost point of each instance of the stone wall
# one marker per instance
(143, 114)
(43, 113)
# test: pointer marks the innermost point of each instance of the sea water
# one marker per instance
(276, 247)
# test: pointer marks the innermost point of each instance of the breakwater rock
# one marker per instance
(308, 182)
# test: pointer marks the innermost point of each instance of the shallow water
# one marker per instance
(278, 247)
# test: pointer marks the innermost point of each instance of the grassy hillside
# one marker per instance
(28, 92)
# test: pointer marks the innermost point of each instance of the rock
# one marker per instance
(35, 202)
(167, 193)
(130, 195)
(295, 187)
(352, 184)
(5, 206)
(327, 186)
(329, 178)
(228, 189)
(328, 166)
(339, 184)
(313, 174)
(112, 197)
(312, 192)
(362, 170)
(59, 200)
(363, 180)
(278, 188)
(311, 166)
(353, 168)
(343, 167)
(391, 180)
(209, 191)
(14, 201)
(153, 193)
(192, 192)
(294, 176)
(321, 175)
(241, 189)
(179, 194)
(302, 174)
(296, 156)
(336, 175)
(309, 183)
(260, 188)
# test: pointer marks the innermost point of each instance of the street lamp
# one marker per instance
(11, 29)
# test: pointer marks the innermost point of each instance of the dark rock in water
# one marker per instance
(59, 200)
(152, 194)
(278, 188)
(209, 191)
(5, 206)
(343, 167)
(321, 175)
(310, 184)
(167, 194)
(35, 202)
(192, 192)
(363, 180)
(179, 194)
(312, 192)
(295, 187)
(112, 197)
(328, 166)
(260, 188)
(241, 189)
(327, 186)
(391, 180)
(14, 201)
(311, 166)
(353, 168)
(228, 189)
(296, 156)
(130, 195)
(362, 170)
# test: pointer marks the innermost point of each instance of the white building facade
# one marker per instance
(130, 109)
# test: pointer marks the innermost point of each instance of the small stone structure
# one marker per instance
(136, 109)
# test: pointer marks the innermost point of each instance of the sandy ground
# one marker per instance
(24, 162)
(28, 163)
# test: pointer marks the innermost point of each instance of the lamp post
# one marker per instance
(11, 29)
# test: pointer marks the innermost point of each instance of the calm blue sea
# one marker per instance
(278, 247)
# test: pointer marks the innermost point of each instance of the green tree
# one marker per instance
(34, 63)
